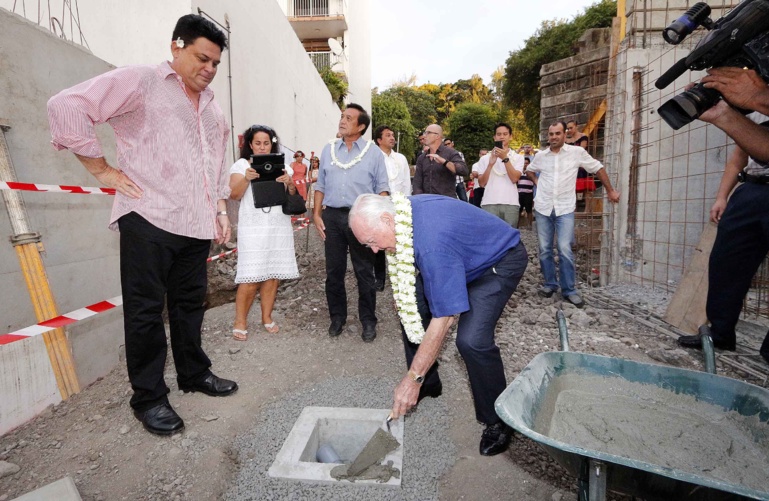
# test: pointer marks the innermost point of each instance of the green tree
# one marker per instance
(421, 105)
(390, 110)
(473, 90)
(551, 42)
(471, 127)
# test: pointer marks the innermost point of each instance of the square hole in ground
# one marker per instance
(347, 430)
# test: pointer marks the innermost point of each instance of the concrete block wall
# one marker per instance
(572, 88)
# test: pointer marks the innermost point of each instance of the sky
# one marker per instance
(442, 41)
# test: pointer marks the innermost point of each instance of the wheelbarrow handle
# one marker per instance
(563, 331)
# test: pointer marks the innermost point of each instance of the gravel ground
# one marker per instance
(230, 442)
(427, 455)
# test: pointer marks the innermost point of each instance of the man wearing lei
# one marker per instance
(349, 166)
(435, 276)
(498, 172)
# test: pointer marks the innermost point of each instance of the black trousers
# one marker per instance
(380, 266)
(488, 296)
(741, 245)
(478, 195)
(155, 264)
(340, 239)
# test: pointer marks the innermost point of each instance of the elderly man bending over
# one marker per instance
(472, 278)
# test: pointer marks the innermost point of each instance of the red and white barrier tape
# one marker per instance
(61, 321)
(81, 190)
(219, 256)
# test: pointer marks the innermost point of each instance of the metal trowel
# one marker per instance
(380, 445)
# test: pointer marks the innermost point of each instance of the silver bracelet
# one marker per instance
(221, 213)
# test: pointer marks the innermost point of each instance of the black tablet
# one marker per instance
(269, 167)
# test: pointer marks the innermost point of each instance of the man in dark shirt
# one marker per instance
(437, 169)
(473, 278)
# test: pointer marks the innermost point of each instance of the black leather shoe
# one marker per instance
(433, 391)
(161, 420)
(369, 333)
(495, 439)
(335, 328)
(695, 341)
(380, 284)
(213, 386)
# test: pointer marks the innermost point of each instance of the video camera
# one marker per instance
(739, 39)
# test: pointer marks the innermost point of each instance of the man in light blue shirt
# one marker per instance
(349, 166)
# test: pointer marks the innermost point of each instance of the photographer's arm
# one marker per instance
(741, 88)
(736, 162)
(749, 136)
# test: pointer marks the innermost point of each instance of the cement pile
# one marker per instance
(428, 450)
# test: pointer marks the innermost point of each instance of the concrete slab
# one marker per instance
(61, 490)
(347, 430)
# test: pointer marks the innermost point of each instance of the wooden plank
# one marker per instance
(687, 306)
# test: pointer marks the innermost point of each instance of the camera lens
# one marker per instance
(687, 106)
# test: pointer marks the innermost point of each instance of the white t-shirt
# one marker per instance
(499, 188)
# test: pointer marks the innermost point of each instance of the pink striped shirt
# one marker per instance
(172, 151)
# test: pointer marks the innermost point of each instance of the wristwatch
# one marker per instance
(505, 160)
(416, 377)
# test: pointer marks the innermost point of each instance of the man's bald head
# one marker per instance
(433, 135)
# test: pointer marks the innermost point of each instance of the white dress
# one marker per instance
(265, 239)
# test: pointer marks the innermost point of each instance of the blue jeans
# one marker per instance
(547, 228)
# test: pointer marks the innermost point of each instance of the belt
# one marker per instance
(343, 209)
(749, 178)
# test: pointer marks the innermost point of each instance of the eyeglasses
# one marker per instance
(429, 132)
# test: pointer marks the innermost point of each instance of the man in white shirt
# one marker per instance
(555, 203)
(498, 172)
(399, 176)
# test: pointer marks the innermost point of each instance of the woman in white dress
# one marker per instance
(265, 236)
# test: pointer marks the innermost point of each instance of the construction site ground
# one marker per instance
(94, 438)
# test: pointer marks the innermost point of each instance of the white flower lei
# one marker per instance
(403, 272)
(335, 160)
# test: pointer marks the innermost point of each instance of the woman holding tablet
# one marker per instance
(265, 236)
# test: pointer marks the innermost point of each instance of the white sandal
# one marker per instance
(270, 326)
(240, 334)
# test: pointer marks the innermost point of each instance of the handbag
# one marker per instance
(294, 205)
(268, 193)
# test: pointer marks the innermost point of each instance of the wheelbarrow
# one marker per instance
(528, 403)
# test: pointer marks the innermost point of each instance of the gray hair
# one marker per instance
(369, 207)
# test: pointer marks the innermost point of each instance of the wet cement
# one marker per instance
(366, 465)
(647, 423)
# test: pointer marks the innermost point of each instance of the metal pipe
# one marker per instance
(226, 27)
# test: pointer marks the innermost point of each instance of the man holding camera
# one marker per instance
(742, 241)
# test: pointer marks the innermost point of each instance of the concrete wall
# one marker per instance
(668, 178)
(81, 254)
(273, 82)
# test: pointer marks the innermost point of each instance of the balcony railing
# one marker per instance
(323, 60)
(316, 8)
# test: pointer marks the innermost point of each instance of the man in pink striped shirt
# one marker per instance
(172, 186)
